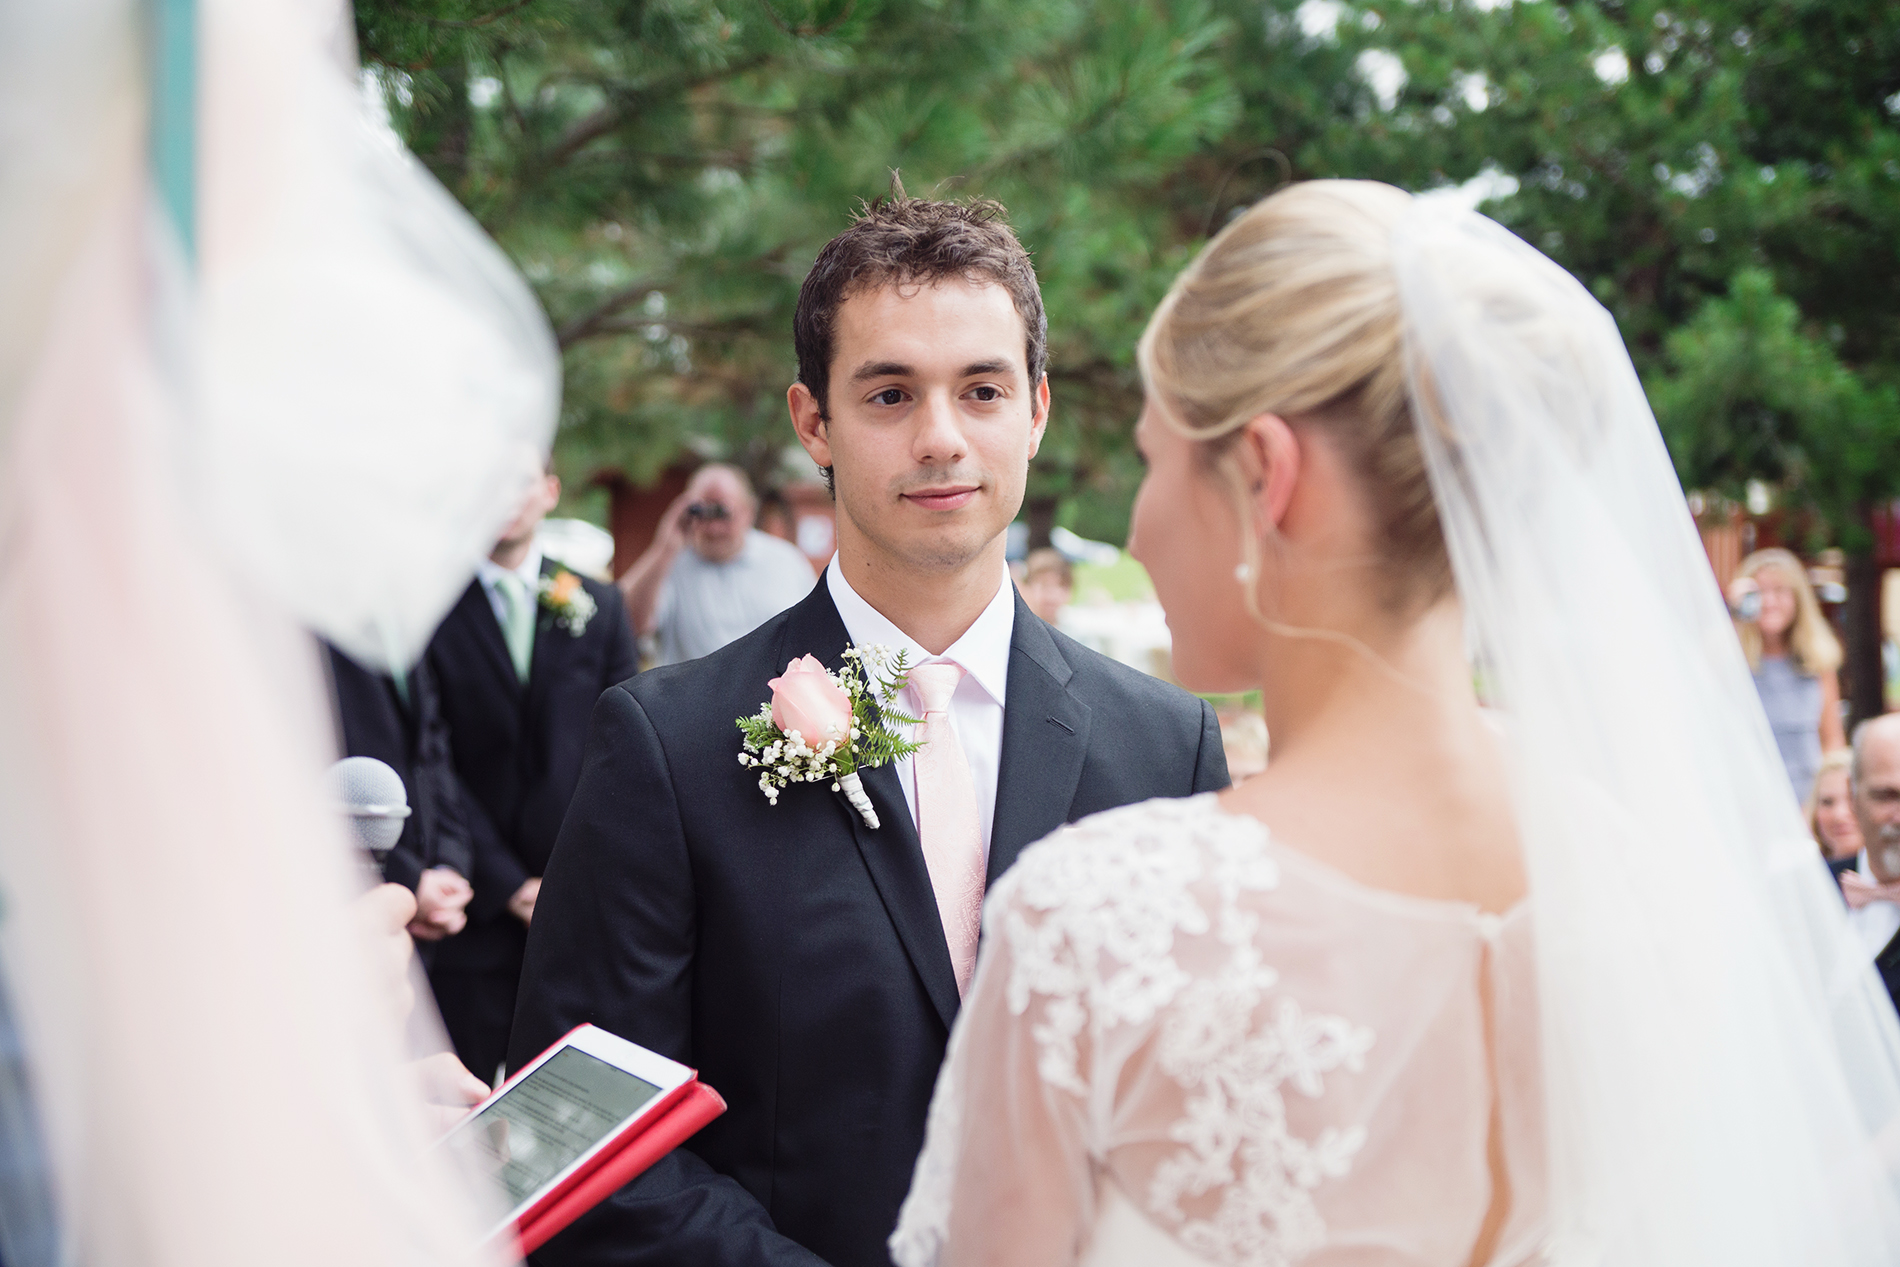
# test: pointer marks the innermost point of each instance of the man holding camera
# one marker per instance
(733, 578)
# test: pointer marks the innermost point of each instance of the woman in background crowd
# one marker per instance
(1794, 656)
(1048, 583)
(1831, 812)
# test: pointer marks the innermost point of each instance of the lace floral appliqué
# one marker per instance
(1091, 921)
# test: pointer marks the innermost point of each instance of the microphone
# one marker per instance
(371, 795)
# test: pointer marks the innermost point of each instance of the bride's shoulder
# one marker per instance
(1149, 854)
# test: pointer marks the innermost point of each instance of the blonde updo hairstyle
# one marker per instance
(1293, 309)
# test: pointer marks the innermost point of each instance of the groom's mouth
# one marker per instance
(951, 497)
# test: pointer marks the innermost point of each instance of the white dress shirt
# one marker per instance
(976, 710)
(491, 572)
(1877, 922)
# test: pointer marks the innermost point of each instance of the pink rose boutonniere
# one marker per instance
(807, 701)
(822, 725)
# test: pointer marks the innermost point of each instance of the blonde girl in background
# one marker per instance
(1794, 656)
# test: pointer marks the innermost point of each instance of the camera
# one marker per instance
(1748, 606)
(707, 510)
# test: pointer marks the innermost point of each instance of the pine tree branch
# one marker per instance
(494, 15)
(610, 117)
(594, 320)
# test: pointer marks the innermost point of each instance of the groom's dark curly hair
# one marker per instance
(900, 240)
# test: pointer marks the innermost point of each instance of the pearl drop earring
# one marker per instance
(1243, 573)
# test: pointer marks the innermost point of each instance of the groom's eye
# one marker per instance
(889, 396)
(986, 393)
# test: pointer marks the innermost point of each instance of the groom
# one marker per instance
(810, 966)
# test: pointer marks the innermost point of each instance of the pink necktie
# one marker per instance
(946, 818)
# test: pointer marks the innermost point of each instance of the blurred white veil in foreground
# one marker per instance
(320, 422)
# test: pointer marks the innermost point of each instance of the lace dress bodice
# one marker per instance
(1186, 1037)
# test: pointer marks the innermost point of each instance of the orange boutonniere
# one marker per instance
(568, 601)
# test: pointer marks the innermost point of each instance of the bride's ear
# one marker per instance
(1270, 458)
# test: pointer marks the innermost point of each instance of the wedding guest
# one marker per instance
(710, 575)
(1048, 583)
(1831, 811)
(1872, 888)
(1794, 655)
(400, 724)
(520, 660)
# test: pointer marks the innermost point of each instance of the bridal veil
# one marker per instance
(1723, 1070)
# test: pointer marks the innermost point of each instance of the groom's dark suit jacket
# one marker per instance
(791, 954)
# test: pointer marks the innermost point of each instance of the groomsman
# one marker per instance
(520, 660)
(399, 722)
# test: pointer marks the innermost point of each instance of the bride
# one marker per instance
(1558, 984)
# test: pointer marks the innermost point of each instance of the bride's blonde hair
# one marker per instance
(1293, 309)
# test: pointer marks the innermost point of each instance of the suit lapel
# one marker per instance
(895, 858)
(892, 854)
(480, 617)
(1045, 738)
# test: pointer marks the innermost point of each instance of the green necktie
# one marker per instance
(517, 628)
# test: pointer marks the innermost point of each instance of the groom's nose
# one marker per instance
(939, 439)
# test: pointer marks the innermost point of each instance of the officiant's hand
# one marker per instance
(382, 914)
(442, 897)
(447, 1087)
(521, 905)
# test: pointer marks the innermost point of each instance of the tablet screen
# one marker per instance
(547, 1121)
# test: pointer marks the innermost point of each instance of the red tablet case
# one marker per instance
(678, 1117)
(664, 1132)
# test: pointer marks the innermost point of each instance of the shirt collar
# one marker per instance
(982, 651)
(529, 570)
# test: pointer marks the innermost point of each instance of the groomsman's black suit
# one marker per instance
(408, 734)
(792, 955)
(517, 749)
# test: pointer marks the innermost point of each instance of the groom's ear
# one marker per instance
(1039, 419)
(808, 421)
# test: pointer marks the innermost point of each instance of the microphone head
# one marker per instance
(372, 797)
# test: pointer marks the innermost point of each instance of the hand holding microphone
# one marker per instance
(374, 799)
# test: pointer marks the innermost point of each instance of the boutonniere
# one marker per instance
(567, 600)
(823, 725)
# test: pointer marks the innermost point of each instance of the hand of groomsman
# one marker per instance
(442, 898)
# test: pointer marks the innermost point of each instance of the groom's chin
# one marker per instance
(931, 542)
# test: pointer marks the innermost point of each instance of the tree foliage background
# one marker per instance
(1724, 175)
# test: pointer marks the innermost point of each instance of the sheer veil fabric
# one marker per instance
(194, 470)
(1723, 1078)
(1693, 1064)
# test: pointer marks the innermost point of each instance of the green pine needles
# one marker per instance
(872, 678)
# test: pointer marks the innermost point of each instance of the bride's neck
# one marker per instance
(1337, 688)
